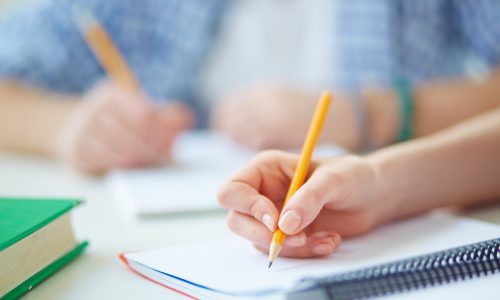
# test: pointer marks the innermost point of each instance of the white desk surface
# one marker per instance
(98, 273)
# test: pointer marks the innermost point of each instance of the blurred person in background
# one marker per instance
(55, 99)
(400, 69)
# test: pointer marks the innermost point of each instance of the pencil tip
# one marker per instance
(270, 264)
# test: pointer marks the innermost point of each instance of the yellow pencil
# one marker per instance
(105, 51)
(302, 166)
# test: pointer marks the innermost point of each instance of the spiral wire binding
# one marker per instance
(436, 268)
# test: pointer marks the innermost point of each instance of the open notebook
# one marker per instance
(202, 161)
(232, 268)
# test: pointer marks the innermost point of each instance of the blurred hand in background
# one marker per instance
(112, 129)
(273, 116)
(103, 129)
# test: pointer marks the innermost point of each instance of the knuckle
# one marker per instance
(223, 194)
(257, 209)
(338, 179)
(267, 155)
(262, 156)
(232, 221)
(313, 195)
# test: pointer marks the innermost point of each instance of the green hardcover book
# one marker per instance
(36, 240)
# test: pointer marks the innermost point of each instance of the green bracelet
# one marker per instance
(405, 96)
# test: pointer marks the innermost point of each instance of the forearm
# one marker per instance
(458, 166)
(30, 119)
(443, 104)
(437, 106)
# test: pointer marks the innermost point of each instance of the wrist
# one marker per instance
(341, 124)
(386, 202)
(383, 116)
(57, 131)
(36, 115)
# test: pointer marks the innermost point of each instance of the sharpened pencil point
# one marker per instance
(274, 249)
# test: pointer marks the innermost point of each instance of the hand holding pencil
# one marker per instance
(115, 124)
(334, 201)
(109, 129)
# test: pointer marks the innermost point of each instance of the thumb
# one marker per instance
(305, 205)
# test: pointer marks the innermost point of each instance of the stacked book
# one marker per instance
(36, 240)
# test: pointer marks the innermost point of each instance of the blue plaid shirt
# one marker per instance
(420, 40)
(165, 41)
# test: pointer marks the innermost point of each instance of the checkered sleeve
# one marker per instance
(164, 42)
(40, 46)
(479, 23)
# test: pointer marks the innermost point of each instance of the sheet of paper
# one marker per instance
(234, 266)
(202, 162)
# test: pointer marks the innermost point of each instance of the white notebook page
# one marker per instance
(234, 266)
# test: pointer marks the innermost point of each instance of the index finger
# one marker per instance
(241, 197)
(259, 188)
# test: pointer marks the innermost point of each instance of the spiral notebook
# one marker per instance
(437, 268)
(232, 269)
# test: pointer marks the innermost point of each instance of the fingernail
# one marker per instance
(268, 221)
(295, 241)
(290, 221)
(323, 249)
